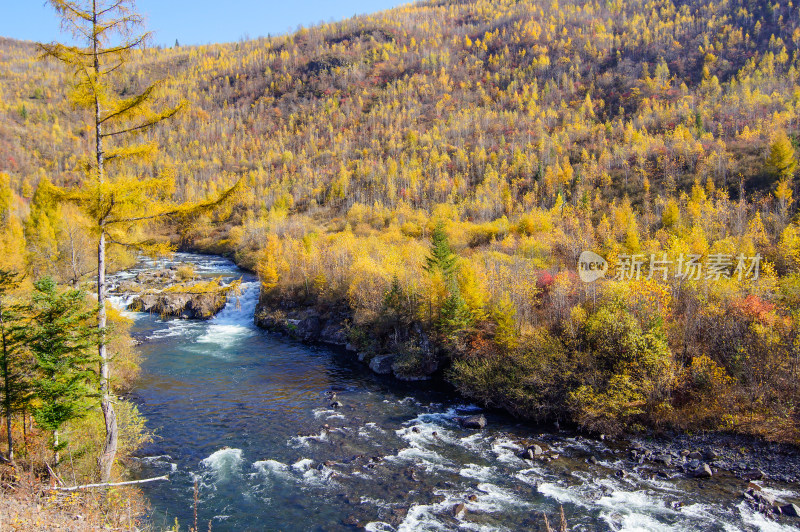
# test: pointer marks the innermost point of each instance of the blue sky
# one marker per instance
(195, 21)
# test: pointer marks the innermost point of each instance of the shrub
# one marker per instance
(185, 272)
(608, 410)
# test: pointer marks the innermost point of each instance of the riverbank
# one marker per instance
(281, 431)
(741, 456)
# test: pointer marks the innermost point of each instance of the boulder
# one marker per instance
(703, 471)
(709, 454)
(532, 452)
(382, 364)
(763, 498)
(753, 474)
(791, 510)
(184, 305)
(206, 306)
(333, 334)
(309, 328)
(473, 422)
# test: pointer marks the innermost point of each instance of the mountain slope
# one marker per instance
(520, 133)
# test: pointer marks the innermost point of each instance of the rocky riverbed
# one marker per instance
(735, 464)
(174, 292)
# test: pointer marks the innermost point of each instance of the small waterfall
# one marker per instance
(240, 309)
(235, 321)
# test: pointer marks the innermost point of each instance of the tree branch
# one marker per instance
(149, 123)
(131, 104)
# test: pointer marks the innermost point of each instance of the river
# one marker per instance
(242, 413)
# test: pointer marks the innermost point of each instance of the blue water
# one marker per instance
(242, 413)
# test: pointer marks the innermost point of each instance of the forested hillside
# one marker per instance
(517, 134)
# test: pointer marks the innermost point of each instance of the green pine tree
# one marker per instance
(13, 371)
(63, 344)
(456, 316)
(441, 257)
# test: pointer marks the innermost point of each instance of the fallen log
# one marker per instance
(113, 484)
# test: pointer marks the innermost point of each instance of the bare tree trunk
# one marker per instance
(106, 460)
(110, 448)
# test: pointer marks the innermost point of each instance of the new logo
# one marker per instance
(591, 267)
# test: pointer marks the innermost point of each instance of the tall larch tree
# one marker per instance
(119, 205)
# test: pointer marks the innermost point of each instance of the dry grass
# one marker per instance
(28, 503)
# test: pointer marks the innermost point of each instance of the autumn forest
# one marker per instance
(434, 172)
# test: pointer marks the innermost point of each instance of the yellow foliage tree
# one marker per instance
(117, 203)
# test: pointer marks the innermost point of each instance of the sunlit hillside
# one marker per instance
(531, 131)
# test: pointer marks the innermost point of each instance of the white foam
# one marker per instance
(636, 522)
(531, 476)
(328, 413)
(440, 418)
(478, 472)
(759, 521)
(379, 526)
(430, 460)
(364, 432)
(303, 464)
(270, 471)
(235, 321)
(318, 477)
(562, 495)
(175, 328)
(423, 517)
(422, 434)
(224, 336)
(270, 467)
(780, 493)
(224, 463)
(493, 498)
(375, 502)
(506, 451)
(474, 442)
(305, 441)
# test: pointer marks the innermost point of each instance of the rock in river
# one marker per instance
(702, 471)
(790, 510)
(201, 306)
(473, 422)
(382, 365)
